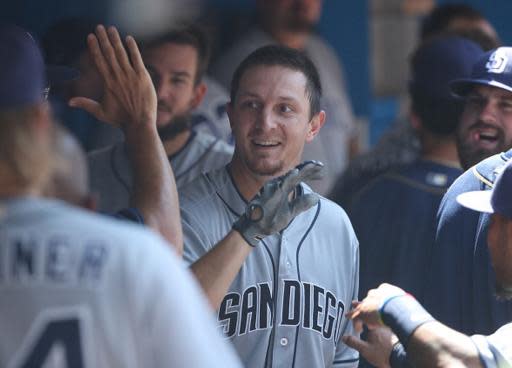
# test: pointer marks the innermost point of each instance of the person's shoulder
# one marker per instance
(102, 159)
(201, 190)
(319, 49)
(213, 144)
(327, 209)
(105, 151)
(225, 65)
(425, 176)
(58, 216)
(478, 175)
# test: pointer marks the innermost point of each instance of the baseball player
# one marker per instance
(384, 210)
(428, 342)
(76, 289)
(461, 289)
(281, 298)
(176, 62)
(292, 24)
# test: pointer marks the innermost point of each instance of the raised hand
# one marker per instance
(129, 96)
(272, 209)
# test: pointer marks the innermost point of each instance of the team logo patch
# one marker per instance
(497, 62)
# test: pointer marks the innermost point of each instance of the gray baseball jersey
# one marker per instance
(495, 350)
(286, 306)
(111, 174)
(80, 290)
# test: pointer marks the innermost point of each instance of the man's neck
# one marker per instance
(292, 39)
(440, 150)
(176, 143)
(247, 182)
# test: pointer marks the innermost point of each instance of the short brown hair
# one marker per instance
(191, 35)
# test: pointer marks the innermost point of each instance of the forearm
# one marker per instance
(217, 269)
(155, 194)
(436, 345)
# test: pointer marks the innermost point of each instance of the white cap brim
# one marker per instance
(479, 200)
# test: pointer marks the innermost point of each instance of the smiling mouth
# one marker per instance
(265, 143)
(485, 135)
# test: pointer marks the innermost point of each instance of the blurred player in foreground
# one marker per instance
(76, 289)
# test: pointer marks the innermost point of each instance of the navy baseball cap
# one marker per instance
(496, 200)
(23, 74)
(493, 69)
(22, 70)
(439, 61)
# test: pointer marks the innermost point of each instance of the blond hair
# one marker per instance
(25, 153)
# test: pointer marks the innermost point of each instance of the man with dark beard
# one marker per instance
(176, 62)
(461, 291)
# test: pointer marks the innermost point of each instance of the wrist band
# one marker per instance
(403, 314)
(240, 226)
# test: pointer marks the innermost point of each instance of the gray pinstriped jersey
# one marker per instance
(111, 175)
(286, 306)
(79, 290)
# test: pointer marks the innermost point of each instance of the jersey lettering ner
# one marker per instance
(286, 306)
(78, 290)
(112, 178)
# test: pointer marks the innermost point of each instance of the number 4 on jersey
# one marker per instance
(55, 339)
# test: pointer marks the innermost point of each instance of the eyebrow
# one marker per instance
(281, 98)
(174, 73)
(181, 74)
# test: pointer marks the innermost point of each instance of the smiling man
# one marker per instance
(176, 62)
(281, 299)
(461, 291)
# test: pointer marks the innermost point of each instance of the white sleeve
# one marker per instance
(495, 350)
(176, 326)
(346, 356)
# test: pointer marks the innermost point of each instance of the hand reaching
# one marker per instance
(272, 209)
(129, 96)
(368, 311)
(377, 347)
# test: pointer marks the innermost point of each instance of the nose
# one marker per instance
(488, 111)
(266, 119)
(162, 90)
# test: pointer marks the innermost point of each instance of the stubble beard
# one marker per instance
(470, 156)
(174, 127)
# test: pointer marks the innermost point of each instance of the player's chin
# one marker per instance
(264, 167)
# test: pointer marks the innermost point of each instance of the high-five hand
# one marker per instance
(129, 96)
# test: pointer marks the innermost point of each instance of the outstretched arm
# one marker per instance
(428, 342)
(129, 101)
(270, 211)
